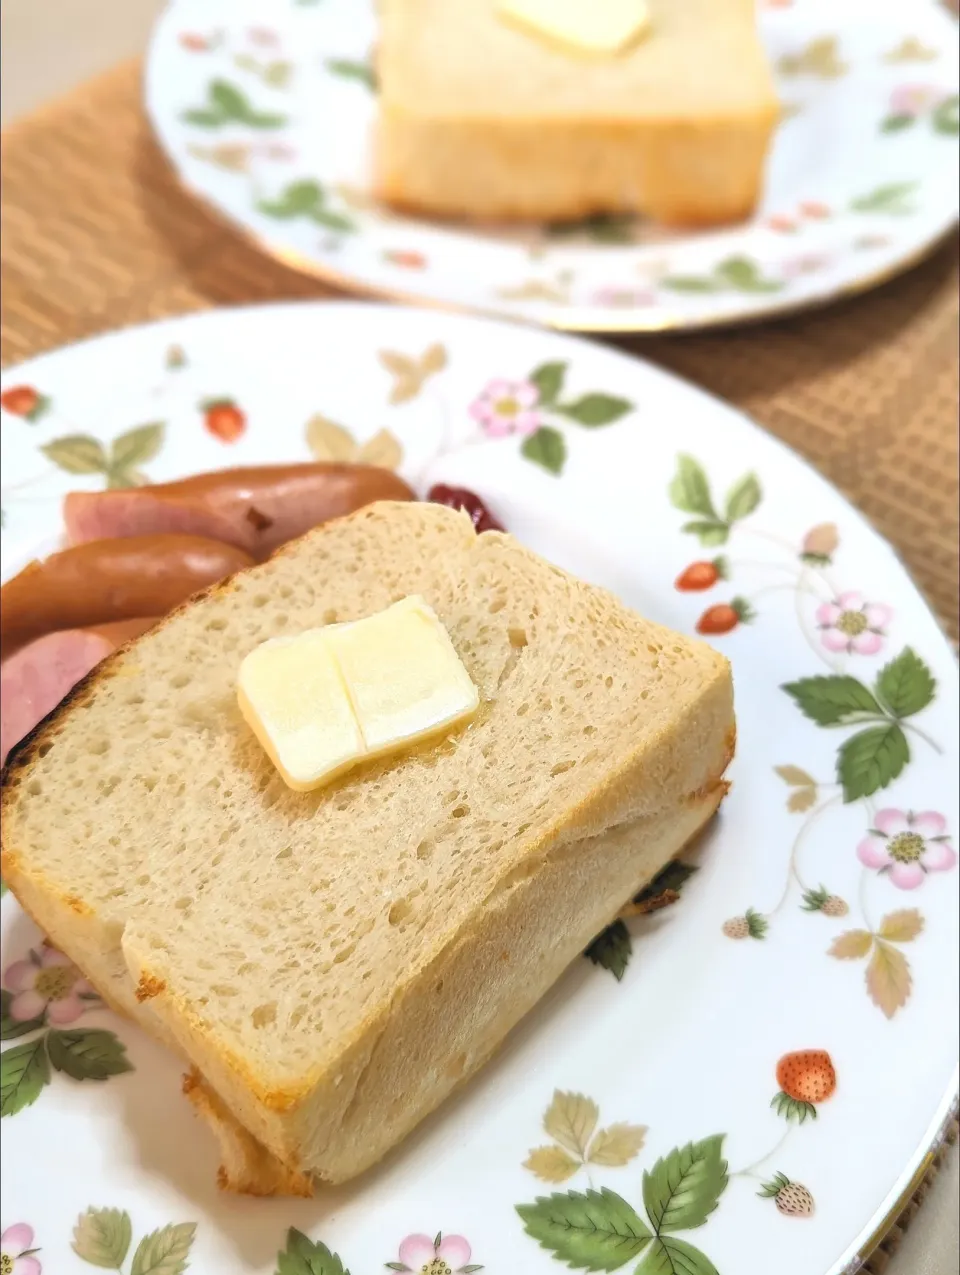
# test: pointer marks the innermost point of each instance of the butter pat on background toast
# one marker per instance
(482, 120)
(335, 963)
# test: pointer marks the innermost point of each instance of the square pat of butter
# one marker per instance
(582, 26)
(291, 692)
(405, 679)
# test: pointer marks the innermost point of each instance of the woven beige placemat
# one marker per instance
(98, 235)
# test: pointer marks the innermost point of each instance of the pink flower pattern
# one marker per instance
(906, 846)
(16, 1251)
(507, 407)
(853, 625)
(808, 263)
(49, 986)
(914, 99)
(613, 297)
(446, 1255)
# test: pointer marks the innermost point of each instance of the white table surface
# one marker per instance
(48, 46)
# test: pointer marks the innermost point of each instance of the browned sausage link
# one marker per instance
(335, 486)
(110, 580)
(257, 509)
(281, 502)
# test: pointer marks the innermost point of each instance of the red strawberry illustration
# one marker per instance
(806, 1078)
(724, 617)
(813, 208)
(193, 42)
(701, 575)
(223, 419)
(25, 401)
(406, 259)
(779, 221)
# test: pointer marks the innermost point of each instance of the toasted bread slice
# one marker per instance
(335, 963)
(481, 120)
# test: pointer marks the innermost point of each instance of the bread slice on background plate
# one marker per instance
(335, 963)
(482, 120)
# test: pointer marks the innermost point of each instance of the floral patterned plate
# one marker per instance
(747, 1074)
(265, 108)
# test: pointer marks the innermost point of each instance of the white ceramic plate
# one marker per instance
(639, 1094)
(265, 109)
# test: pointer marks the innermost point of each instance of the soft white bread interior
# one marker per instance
(479, 119)
(335, 963)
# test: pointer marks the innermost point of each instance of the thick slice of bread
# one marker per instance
(335, 963)
(247, 1168)
(481, 120)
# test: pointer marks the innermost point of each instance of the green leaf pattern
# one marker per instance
(601, 1231)
(871, 760)
(348, 69)
(833, 701)
(906, 686)
(670, 1256)
(119, 464)
(87, 1053)
(874, 757)
(24, 1073)
(892, 199)
(549, 379)
(303, 1256)
(164, 1252)
(611, 950)
(546, 448)
(690, 492)
(308, 199)
(226, 104)
(683, 1189)
(733, 274)
(590, 1231)
(102, 1238)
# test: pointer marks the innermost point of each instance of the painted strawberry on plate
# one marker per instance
(791, 1198)
(24, 401)
(806, 1078)
(223, 419)
(700, 576)
(724, 617)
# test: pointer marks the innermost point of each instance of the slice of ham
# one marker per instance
(35, 679)
(255, 509)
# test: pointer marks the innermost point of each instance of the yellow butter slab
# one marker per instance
(328, 698)
(293, 697)
(405, 679)
(581, 26)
